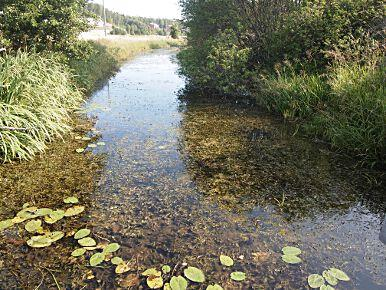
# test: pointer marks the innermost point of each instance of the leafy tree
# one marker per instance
(43, 24)
(174, 32)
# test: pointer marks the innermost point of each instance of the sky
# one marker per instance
(146, 8)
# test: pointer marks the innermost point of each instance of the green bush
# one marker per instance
(37, 95)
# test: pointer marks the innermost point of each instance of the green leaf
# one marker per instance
(178, 283)
(291, 251)
(111, 248)
(71, 199)
(80, 150)
(78, 252)
(86, 138)
(97, 259)
(166, 269)
(54, 216)
(167, 286)
(81, 234)
(329, 278)
(87, 242)
(6, 224)
(39, 242)
(122, 268)
(116, 261)
(226, 261)
(326, 287)
(291, 259)
(214, 287)
(55, 236)
(238, 276)
(33, 226)
(43, 211)
(339, 274)
(315, 281)
(151, 272)
(101, 143)
(92, 146)
(154, 282)
(72, 211)
(194, 274)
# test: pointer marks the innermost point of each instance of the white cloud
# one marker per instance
(145, 8)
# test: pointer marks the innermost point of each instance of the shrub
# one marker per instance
(36, 97)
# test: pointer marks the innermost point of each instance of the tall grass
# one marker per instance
(37, 95)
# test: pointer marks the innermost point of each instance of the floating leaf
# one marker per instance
(43, 211)
(122, 268)
(81, 234)
(33, 226)
(96, 259)
(116, 261)
(238, 276)
(291, 251)
(86, 138)
(194, 274)
(54, 216)
(71, 199)
(154, 282)
(91, 248)
(167, 286)
(6, 224)
(111, 248)
(92, 146)
(226, 260)
(80, 150)
(27, 211)
(326, 287)
(330, 278)
(78, 252)
(315, 281)
(214, 287)
(101, 143)
(152, 272)
(87, 242)
(78, 137)
(178, 283)
(291, 259)
(74, 210)
(26, 205)
(39, 242)
(339, 274)
(166, 269)
(55, 236)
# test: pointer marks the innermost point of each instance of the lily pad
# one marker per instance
(154, 282)
(194, 274)
(80, 150)
(226, 261)
(339, 274)
(39, 242)
(78, 252)
(86, 138)
(167, 286)
(27, 211)
(33, 226)
(43, 211)
(92, 145)
(6, 224)
(55, 236)
(122, 268)
(326, 287)
(97, 259)
(87, 242)
(54, 216)
(81, 234)
(166, 269)
(330, 278)
(291, 259)
(111, 248)
(116, 261)
(214, 287)
(151, 272)
(72, 211)
(238, 276)
(315, 281)
(291, 251)
(71, 199)
(178, 283)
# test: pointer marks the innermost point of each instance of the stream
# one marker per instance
(187, 177)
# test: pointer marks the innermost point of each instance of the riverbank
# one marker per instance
(59, 83)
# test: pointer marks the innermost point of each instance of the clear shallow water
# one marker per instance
(188, 178)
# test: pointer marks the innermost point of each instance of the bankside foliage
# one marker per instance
(318, 62)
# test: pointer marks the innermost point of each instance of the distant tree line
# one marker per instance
(134, 25)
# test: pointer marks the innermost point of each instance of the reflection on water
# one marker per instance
(188, 179)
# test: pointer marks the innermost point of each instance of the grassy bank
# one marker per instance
(40, 92)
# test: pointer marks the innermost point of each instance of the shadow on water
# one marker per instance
(187, 177)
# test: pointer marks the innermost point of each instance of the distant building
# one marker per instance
(154, 26)
(98, 23)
